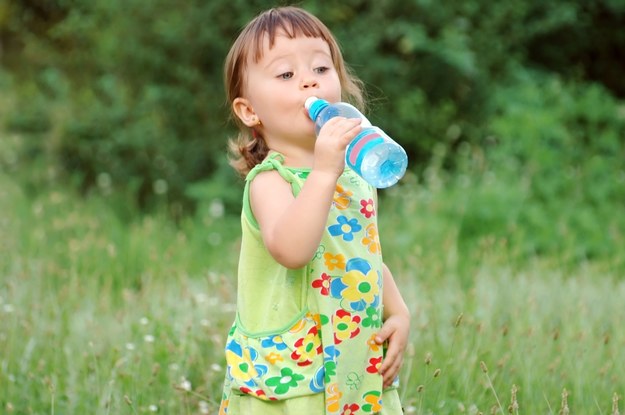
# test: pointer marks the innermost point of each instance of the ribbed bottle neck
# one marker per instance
(315, 106)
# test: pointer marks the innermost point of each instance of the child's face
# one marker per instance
(277, 86)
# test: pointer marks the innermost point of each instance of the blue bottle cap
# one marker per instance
(314, 106)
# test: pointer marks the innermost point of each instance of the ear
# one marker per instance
(243, 109)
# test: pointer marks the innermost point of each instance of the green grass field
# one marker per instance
(102, 316)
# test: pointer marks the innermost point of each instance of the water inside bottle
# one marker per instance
(383, 166)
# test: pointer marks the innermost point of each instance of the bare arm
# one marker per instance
(393, 301)
(292, 227)
(395, 330)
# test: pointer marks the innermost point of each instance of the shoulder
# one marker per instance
(267, 181)
(270, 189)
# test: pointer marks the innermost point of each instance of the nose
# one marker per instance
(309, 82)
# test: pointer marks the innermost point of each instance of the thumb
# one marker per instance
(384, 333)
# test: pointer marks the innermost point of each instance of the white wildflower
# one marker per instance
(203, 406)
(185, 384)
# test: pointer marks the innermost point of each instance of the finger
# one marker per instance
(337, 123)
(391, 356)
(384, 334)
(352, 131)
(390, 375)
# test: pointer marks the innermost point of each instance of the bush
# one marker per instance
(130, 93)
(559, 142)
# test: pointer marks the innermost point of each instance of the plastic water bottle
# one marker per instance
(372, 154)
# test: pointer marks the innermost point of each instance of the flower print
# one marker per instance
(241, 364)
(350, 409)
(334, 261)
(259, 393)
(329, 362)
(374, 402)
(317, 318)
(307, 347)
(373, 318)
(316, 384)
(373, 345)
(346, 326)
(223, 408)
(333, 395)
(372, 239)
(273, 341)
(323, 283)
(359, 286)
(367, 208)
(299, 326)
(319, 252)
(273, 358)
(354, 380)
(287, 380)
(345, 228)
(342, 198)
(374, 365)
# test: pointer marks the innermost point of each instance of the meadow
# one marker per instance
(105, 315)
(119, 226)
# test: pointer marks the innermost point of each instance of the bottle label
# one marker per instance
(360, 146)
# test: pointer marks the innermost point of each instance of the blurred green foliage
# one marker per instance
(127, 96)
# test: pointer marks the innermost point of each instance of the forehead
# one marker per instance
(284, 46)
(269, 34)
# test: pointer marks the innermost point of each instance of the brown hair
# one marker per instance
(249, 148)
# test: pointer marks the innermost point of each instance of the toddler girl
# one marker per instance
(320, 327)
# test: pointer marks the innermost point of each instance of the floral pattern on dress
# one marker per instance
(359, 287)
(259, 393)
(345, 228)
(373, 318)
(274, 341)
(241, 362)
(329, 362)
(342, 198)
(350, 409)
(333, 396)
(334, 261)
(287, 380)
(373, 401)
(307, 347)
(332, 350)
(323, 284)
(374, 365)
(372, 239)
(346, 326)
(317, 383)
(373, 345)
(368, 209)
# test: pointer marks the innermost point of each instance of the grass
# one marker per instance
(104, 313)
(97, 316)
(106, 317)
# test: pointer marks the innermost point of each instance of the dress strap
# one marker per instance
(274, 161)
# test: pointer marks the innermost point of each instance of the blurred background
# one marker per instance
(125, 99)
(119, 213)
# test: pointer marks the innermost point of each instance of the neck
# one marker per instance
(296, 154)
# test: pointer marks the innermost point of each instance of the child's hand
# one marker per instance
(395, 329)
(331, 143)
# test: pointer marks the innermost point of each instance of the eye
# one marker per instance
(286, 75)
(322, 69)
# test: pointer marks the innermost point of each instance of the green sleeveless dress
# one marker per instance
(303, 339)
